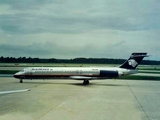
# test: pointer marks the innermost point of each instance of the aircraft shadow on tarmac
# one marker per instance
(70, 83)
(95, 84)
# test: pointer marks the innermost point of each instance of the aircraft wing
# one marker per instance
(81, 78)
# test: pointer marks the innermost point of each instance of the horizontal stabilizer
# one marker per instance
(136, 56)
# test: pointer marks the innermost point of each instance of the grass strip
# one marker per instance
(8, 71)
(158, 69)
(137, 77)
(149, 72)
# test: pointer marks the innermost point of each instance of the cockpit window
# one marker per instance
(22, 71)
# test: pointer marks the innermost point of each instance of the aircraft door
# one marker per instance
(28, 71)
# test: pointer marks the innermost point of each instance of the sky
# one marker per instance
(79, 28)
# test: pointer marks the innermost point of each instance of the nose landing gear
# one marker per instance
(21, 81)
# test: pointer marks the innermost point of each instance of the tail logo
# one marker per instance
(132, 62)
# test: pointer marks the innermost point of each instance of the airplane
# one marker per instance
(82, 73)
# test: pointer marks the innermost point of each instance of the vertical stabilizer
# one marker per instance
(133, 61)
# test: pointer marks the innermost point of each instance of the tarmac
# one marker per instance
(70, 100)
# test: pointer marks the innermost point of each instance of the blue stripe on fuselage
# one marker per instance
(107, 73)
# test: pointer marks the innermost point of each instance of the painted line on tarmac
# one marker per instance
(14, 91)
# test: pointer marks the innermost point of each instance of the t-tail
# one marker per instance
(133, 61)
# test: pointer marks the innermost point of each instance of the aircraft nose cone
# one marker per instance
(16, 75)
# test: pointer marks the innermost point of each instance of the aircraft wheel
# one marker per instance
(85, 82)
(21, 81)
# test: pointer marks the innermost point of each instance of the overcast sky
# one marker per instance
(79, 28)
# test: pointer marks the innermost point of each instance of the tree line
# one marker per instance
(75, 60)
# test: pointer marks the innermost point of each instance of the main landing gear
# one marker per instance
(21, 81)
(85, 82)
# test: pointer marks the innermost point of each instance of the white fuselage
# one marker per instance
(78, 73)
